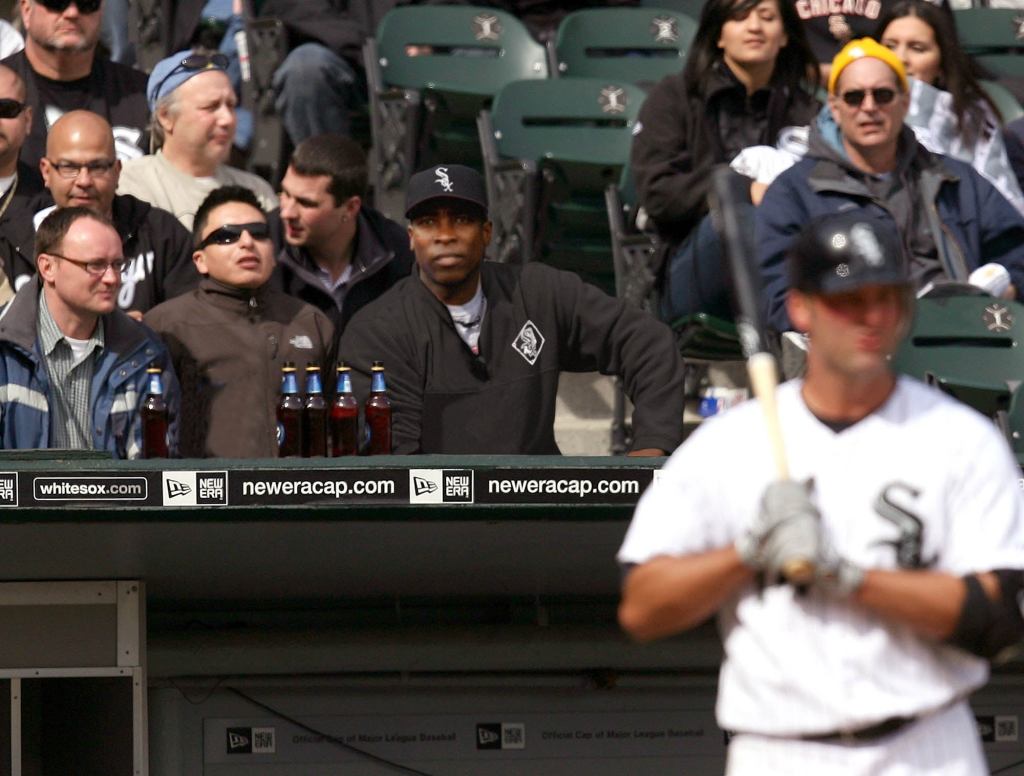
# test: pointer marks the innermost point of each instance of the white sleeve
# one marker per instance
(681, 513)
(986, 506)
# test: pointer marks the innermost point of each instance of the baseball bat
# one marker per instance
(736, 234)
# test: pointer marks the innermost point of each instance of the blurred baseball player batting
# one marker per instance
(908, 502)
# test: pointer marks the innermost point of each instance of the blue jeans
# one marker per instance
(696, 277)
(316, 92)
(114, 31)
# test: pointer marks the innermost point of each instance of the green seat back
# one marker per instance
(691, 8)
(578, 132)
(971, 346)
(989, 30)
(461, 49)
(639, 45)
(1009, 107)
(584, 120)
(1002, 65)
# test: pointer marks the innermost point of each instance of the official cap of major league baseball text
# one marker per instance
(446, 181)
(845, 251)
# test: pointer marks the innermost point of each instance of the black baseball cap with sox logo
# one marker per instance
(846, 251)
(446, 181)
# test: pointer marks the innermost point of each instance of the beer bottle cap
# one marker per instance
(289, 366)
(343, 367)
(378, 366)
(312, 366)
(153, 369)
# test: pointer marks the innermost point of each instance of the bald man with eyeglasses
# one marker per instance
(951, 220)
(81, 169)
(73, 366)
(63, 71)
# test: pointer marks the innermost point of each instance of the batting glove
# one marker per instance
(787, 528)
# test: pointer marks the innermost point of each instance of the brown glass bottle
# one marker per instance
(344, 416)
(314, 414)
(154, 416)
(377, 413)
(289, 414)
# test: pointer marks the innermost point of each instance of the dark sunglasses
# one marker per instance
(10, 109)
(855, 97)
(231, 233)
(60, 6)
(194, 62)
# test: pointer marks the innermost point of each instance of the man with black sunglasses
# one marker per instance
(230, 337)
(73, 366)
(951, 220)
(63, 72)
(20, 184)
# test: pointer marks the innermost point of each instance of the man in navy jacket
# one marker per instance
(951, 220)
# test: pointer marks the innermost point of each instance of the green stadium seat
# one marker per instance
(1009, 107)
(550, 149)
(990, 30)
(972, 347)
(691, 8)
(640, 45)
(430, 70)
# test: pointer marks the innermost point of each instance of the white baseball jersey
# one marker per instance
(923, 482)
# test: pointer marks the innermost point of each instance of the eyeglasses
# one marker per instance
(10, 109)
(192, 62)
(60, 6)
(96, 267)
(98, 168)
(855, 97)
(231, 233)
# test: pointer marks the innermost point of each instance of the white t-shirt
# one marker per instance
(468, 318)
(798, 665)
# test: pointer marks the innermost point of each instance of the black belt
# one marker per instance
(862, 735)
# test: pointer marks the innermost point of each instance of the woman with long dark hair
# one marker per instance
(950, 111)
(924, 37)
(749, 75)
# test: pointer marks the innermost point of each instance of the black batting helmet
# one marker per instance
(844, 251)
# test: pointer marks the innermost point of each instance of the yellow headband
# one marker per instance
(858, 49)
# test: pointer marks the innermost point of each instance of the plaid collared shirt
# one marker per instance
(70, 382)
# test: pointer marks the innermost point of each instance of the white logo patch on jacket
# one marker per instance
(302, 342)
(529, 342)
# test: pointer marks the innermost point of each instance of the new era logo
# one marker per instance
(421, 485)
(175, 488)
(192, 489)
(239, 740)
(8, 489)
(488, 736)
(440, 486)
(501, 735)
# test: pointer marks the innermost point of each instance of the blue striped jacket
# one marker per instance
(118, 384)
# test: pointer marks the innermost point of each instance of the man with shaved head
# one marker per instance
(81, 170)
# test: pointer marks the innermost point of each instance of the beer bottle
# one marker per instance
(344, 416)
(377, 412)
(154, 416)
(289, 414)
(314, 415)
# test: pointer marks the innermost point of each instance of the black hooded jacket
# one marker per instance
(381, 258)
(157, 246)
